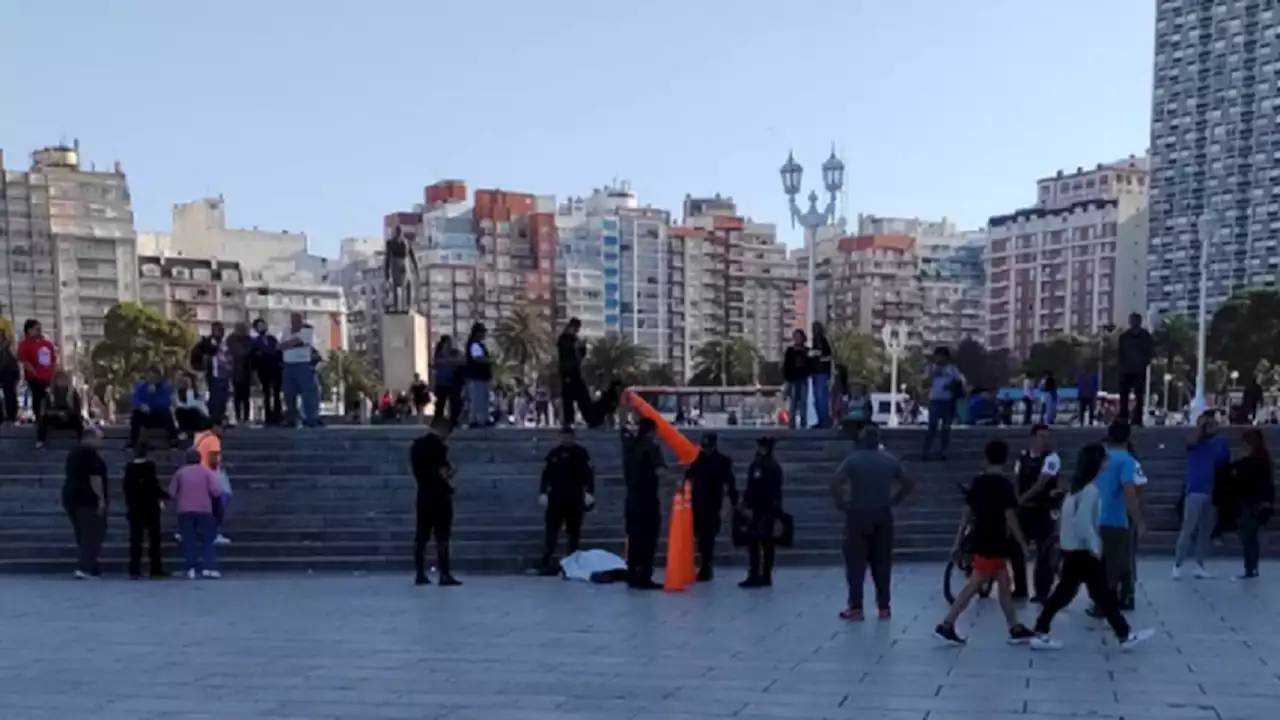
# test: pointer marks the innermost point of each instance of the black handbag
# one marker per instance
(785, 527)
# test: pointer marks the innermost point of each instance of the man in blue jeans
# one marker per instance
(297, 353)
(945, 385)
(820, 377)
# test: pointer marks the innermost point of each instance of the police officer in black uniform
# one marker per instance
(1037, 470)
(644, 466)
(568, 484)
(710, 476)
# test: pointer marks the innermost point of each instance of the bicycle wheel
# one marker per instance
(947, 572)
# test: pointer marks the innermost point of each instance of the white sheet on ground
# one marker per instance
(584, 563)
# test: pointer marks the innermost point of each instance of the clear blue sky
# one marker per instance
(322, 116)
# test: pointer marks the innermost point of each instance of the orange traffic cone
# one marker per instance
(686, 452)
(680, 574)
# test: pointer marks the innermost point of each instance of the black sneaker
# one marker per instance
(948, 634)
(449, 581)
(1020, 635)
(422, 580)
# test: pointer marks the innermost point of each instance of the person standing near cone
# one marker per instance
(762, 507)
(643, 509)
(429, 459)
(710, 477)
(568, 483)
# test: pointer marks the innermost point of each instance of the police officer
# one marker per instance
(710, 477)
(643, 512)
(1036, 470)
(568, 483)
(429, 459)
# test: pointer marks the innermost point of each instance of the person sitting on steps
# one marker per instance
(151, 408)
(62, 409)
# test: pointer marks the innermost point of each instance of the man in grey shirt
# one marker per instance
(864, 490)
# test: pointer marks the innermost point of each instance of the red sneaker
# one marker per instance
(885, 613)
(852, 615)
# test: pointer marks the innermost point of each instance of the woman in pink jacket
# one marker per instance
(193, 490)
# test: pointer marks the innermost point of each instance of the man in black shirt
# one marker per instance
(992, 507)
(710, 476)
(1036, 471)
(84, 498)
(568, 484)
(429, 458)
(569, 353)
(644, 466)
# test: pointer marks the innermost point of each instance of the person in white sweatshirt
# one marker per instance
(1081, 545)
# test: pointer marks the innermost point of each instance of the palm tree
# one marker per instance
(523, 337)
(1175, 336)
(614, 357)
(725, 362)
(660, 375)
(864, 358)
(352, 373)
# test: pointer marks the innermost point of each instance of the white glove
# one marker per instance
(542, 501)
(588, 500)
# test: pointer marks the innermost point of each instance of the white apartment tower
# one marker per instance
(1213, 140)
(67, 243)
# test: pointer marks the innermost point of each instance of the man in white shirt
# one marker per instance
(300, 384)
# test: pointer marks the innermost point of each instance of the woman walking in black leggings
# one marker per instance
(1255, 494)
(1081, 546)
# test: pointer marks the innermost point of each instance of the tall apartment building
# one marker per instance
(1213, 139)
(741, 283)
(322, 305)
(953, 281)
(67, 239)
(516, 236)
(872, 281)
(589, 243)
(200, 291)
(449, 262)
(1074, 262)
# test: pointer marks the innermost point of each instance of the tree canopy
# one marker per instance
(731, 362)
(136, 339)
(523, 338)
(1246, 330)
(614, 357)
(353, 373)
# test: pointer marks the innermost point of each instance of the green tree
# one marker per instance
(863, 356)
(136, 339)
(984, 369)
(1246, 329)
(659, 375)
(730, 362)
(523, 338)
(353, 374)
(770, 373)
(614, 357)
(1175, 337)
(1064, 356)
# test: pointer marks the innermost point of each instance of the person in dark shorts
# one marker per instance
(991, 504)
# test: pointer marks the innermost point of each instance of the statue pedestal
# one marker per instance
(405, 351)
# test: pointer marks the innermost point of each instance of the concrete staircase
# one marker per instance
(341, 498)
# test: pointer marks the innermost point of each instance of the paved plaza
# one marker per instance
(319, 647)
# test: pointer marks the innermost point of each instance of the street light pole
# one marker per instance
(1207, 229)
(1167, 378)
(895, 341)
(812, 220)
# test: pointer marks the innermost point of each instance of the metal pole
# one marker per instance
(1166, 394)
(893, 389)
(811, 240)
(1198, 405)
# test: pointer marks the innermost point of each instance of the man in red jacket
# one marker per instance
(39, 360)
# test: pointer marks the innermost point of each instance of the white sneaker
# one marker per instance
(1201, 573)
(210, 574)
(1177, 573)
(1044, 642)
(222, 540)
(82, 575)
(191, 574)
(1136, 638)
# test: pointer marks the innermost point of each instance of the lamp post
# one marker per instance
(1208, 227)
(895, 341)
(1167, 378)
(811, 220)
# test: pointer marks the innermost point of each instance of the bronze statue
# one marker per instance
(399, 259)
